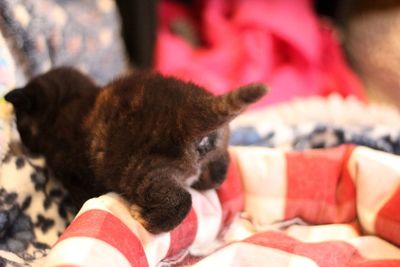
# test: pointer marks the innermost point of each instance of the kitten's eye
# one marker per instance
(204, 141)
(206, 144)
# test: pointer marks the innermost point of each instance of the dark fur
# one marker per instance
(142, 136)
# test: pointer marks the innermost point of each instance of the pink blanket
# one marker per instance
(331, 207)
(281, 43)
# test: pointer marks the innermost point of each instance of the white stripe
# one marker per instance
(374, 248)
(209, 217)
(155, 246)
(264, 179)
(250, 255)
(85, 251)
(370, 247)
(377, 176)
(321, 233)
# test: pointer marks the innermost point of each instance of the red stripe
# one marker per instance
(387, 224)
(183, 236)
(325, 254)
(231, 192)
(106, 227)
(319, 186)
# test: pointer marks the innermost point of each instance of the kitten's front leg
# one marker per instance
(160, 204)
(213, 173)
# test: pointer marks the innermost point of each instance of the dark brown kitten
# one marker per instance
(144, 136)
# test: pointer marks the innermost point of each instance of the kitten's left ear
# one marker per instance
(19, 99)
(228, 106)
(222, 109)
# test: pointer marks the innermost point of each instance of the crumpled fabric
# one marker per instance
(351, 220)
(280, 43)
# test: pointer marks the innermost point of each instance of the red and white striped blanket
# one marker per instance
(329, 207)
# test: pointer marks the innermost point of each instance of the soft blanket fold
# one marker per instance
(346, 200)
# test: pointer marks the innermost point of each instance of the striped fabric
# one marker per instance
(329, 207)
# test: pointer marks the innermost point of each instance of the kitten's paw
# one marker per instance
(169, 214)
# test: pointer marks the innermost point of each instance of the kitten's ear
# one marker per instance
(19, 99)
(226, 107)
(234, 102)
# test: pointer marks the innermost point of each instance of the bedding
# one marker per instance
(34, 208)
(332, 207)
(318, 122)
(35, 36)
(253, 214)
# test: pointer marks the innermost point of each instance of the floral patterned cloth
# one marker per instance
(34, 209)
(34, 37)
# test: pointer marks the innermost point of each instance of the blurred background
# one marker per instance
(299, 48)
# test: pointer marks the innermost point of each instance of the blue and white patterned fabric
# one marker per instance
(36, 36)
(48, 33)
(320, 123)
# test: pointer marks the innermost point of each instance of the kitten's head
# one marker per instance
(147, 124)
(38, 103)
